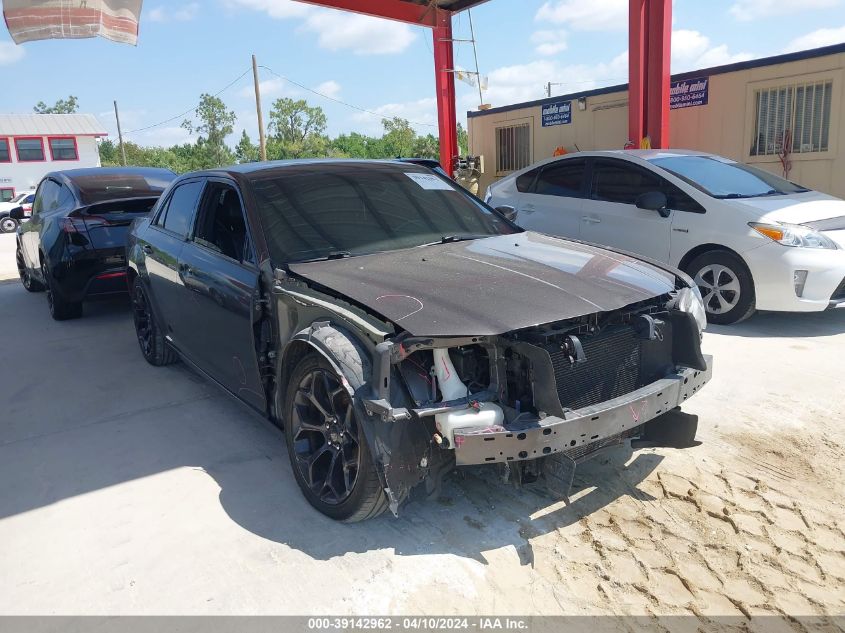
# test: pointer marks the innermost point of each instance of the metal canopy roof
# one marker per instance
(449, 5)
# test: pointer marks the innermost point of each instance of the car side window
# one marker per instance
(51, 196)
(221, 225)
(181, 207)
(614, 181)
(563, 178)
(526, 181)
(680, 201)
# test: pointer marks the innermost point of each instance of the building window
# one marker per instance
(5, 152)
(29, 149)
(63, 148)
(513, 147)
(6, 194)
(795, 118)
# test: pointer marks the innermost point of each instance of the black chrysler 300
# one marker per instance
(396, 327)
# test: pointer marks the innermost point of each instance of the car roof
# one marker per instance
(268, 167)
(86, 172)
(633, 155)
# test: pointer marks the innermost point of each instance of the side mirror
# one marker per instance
(508, 211)
(654, 201)
(17, 213)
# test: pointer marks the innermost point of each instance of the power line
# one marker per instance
(344, 103)
(189, 110)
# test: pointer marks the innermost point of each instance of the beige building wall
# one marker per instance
(724, 126)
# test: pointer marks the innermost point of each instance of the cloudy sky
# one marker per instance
(190, 47)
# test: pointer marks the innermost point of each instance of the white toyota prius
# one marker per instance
(750, 240)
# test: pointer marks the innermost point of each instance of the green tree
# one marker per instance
(463, 140)
(246, 151)
(297, 130)
(427, 146)
(214, 124)
(399, 138)
(62, 106)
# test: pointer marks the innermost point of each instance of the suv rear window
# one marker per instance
(99, 187)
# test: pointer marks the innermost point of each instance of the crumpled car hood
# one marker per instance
(489, 286)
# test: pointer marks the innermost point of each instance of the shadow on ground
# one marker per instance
(786, 325)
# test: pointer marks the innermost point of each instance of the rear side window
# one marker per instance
(526, 181)
(617, 182)
(564, 178)
(51, 196)
(180, 208)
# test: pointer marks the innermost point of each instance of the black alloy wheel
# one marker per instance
(154, 348)
(327, 447)
(28, 282)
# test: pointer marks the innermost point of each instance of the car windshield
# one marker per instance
(19, 197)
(320, 211)
(101, 187)
(722, 178)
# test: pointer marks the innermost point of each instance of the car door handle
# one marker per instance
(148, 249)
(590, 220)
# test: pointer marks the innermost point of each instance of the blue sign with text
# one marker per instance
(689, 93)
(558, 113)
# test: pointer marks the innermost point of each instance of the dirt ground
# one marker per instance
(134, 490)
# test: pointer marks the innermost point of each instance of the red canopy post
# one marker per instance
(649, 70)
(444, 65)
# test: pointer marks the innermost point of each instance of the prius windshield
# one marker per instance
(722, 178)
(331, 210)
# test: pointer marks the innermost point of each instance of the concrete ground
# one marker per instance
(129, 489)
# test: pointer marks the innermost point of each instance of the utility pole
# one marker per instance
(120, 135)
(262, 142)
(549, 90)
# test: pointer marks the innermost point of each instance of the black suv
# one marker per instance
(74, 245)
(396, 327)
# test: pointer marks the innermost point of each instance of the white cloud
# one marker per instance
(279, 9)
(329, 88)
(746, 10)
(338, 30)
(10, 53)
(420, 111)
(549, 42)
(524, 82)
(183, 13)
(362, 34)
(816, 39)
(692, 50)
(581, 15)
(273, 87)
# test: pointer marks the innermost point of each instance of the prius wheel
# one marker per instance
(28, 281)
(327, 448)
(726, 286)
(60, 308)
(154, 348)
(8, 225)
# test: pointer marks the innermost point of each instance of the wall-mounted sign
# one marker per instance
(557, 113)
(689, 93)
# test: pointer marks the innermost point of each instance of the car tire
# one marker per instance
(60, 308)
(726, 286)
(27, 280)
(8, 224)
(326, 443)
(154, 347)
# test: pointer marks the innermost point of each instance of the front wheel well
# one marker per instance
(687, 259)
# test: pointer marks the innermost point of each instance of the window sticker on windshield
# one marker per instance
(429, 181)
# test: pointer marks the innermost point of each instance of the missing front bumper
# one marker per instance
(590, 425)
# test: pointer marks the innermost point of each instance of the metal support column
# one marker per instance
(444, 63)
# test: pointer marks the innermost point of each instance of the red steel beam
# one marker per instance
(637, 55)
(659, 71)
(398, 10)
(444, 64)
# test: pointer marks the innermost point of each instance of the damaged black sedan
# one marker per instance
(396, 327)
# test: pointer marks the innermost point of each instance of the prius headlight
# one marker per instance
(689, 300)
(794, 235)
